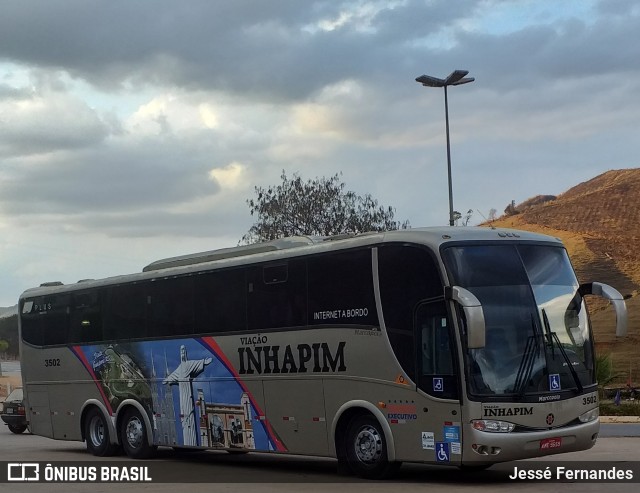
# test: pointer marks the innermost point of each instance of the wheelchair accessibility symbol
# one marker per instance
(442, 452)
(554, 381)
(438, 384)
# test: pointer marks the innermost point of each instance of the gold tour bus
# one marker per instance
(447, 346)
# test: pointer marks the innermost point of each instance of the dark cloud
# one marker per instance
(227, 222)
(158, 174)
(11, 93)
(35, 120)
(270, 49)
(275, 52)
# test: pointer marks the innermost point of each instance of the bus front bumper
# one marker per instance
(486, 447)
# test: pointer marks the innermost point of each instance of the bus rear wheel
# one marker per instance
(366, 449)
(133, 435)
(96, 433)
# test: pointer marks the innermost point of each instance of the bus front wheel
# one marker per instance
(366, 449)
(133, 435)
(96, 433)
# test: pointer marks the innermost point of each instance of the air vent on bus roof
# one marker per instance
(210, 256)
(50, 284)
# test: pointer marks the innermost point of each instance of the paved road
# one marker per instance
(220, 471)
(620, 430)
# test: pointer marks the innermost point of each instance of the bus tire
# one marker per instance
(133, 435)
(96, 434)
(366, 449)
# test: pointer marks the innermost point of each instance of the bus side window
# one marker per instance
(56, 319)
(220, 301)
(171, 307)
(45, 320)
(436, 352)
(277, 295)
(437, 375)
(126, 312)
(407, 275)
(341, 289)
(32, 322)
(86, 317)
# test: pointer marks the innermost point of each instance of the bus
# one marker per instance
(446, 346)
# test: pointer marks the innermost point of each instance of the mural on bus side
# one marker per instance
(192, 393)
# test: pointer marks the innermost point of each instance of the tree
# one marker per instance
(4, 345)
(467, 217)
(9, 333)
(511, 209)
(320, 206)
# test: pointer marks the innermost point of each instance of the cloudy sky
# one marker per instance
(136, 130)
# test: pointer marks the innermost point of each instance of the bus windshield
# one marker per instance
(537, 333)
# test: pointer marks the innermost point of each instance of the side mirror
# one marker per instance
(473, 313)
(613, 295)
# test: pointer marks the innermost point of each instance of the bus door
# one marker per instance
(39, 412)
(437, 376)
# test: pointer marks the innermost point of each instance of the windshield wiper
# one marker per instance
(553, 337)
(527, 362)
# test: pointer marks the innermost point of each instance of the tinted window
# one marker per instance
(45, 319)
(126, 311)
(435, 359)
(86, 317)
(341, 289)
(407, 276)
(277, 295)
(171, 307)
(31, 321)
(220, 301)
(485, 265)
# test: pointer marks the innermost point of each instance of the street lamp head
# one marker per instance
(466, 80)
(429, 81)
(455, 78)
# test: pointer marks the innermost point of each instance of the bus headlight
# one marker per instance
(589, 416)
(492, 426)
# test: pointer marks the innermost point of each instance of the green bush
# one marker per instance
(626, 408)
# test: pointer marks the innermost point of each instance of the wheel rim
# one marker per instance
(97, 431)
(368, 445)
(134, 432)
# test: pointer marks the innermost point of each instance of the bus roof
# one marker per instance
(297, 246)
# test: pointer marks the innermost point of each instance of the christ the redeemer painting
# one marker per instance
(182, 377)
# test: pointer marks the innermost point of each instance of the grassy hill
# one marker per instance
(599, 222)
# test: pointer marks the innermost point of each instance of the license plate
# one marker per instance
(550, 443)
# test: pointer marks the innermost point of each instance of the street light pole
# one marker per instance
(446, 118)
(455, 78)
